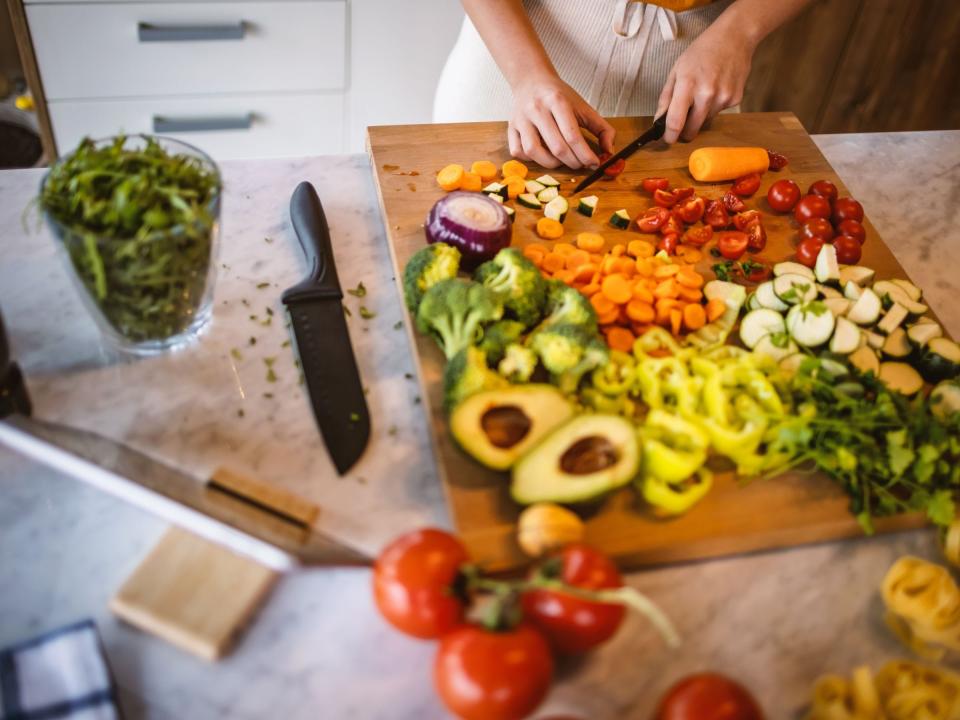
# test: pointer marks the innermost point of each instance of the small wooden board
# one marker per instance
(794, 509)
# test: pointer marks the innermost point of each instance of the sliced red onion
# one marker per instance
(471, 222)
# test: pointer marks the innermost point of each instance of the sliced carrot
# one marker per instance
(694, 316)
(608, 265)
(640, 249)
(626, 266)
(644, 267)
(596, 258)
(549, 229)
(676, 321)
(563, 248)
(450, 177)
(617, 289)
(590, 289)
(534, 253)
(552, 262)
(602, 304)
(715, 308)
(689, 254)
(690, 278)
(565, 276)
(584, 273)
(665, 271)
(591, 242)
(577, 259)
(689, 294)
(642, 292)
(618, 250)
(663, 308)
(485, 169)
(666, 289)
(515, 185)
(620, 339)
(641, 312)
(607, 318)
(514, 167)
(640, 329)
(471, 182)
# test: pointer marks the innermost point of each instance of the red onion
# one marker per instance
(471, 222)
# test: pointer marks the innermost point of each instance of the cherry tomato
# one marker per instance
(777, 161)
(756, 236)
(732, 244)
(783, 195)
(698, 235)
(824, 188)
(691, 211)
(743, 220)
(652, 219)
(664, 198)
(485, 675)
(847, 209)
(570, 624)
(653, 184)
(614, 169)
(669, 242)
(848, 249)
(853, 229)
(683, 193)
(759, 272)
(672, 226)
(817, 227)
(733, 203)
(413, 582)
(708, 696)
(747, 185)
(716, 215)
(811, 206)
(808, 250)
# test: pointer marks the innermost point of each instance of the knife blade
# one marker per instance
(655, 132)
(322, 339)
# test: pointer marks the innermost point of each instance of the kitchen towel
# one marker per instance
(60, 674)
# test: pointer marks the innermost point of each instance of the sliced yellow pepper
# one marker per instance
(676, 498)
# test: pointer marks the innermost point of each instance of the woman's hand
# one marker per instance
(546, 121)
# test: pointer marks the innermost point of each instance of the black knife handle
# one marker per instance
(13, 390)
(310, 224)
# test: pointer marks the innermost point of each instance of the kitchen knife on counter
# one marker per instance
(654, 133)
(322, 339)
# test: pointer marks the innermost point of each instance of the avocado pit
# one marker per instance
(505, 425)
(589, 455)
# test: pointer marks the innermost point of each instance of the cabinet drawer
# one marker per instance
(90, 51)
(277, 125)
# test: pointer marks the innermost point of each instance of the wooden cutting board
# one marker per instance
(790, 510)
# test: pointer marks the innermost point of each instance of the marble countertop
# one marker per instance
(317, 649)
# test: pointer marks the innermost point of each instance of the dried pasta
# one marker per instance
(923, 606)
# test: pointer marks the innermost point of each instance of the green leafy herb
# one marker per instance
(723, 270)
(360, 291)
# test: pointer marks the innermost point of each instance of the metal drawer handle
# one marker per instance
(151, 32)
(208, 123)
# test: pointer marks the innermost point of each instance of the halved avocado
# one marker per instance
(496, 427)
(579, 461)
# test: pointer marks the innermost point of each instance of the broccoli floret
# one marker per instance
(454, 311)
(566, 306)
(498, 336)
(519, 284)
(518, 363)
(567, 352)
(467, 373)
(426, 268)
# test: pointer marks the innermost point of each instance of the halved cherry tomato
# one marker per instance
(848, 249)
(811, 206)
(823, 188)
(847, 209)
(493, 675)
(708, 696)
(716, 215)
(743, 220)
(808, 250)
(652, 219)
(413, 582)
(783, 195)
(668, 243)
(672, 226)
(698, 235)
(817, 227)
(664, 198)
(777, 161)
(652, 184)
(733, 203)
(683, 193)
(614, 169)
(756, 236)
(691, 211)
(572, 625)
(747, 185)
(732, 244)
(852, 228)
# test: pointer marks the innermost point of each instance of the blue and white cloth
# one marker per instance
(61, 674)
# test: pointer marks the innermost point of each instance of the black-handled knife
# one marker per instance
(322, 339)
(655, 132)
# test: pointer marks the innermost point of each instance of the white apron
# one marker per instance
(616, 54)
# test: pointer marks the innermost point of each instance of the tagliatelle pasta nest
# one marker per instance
(923, 606)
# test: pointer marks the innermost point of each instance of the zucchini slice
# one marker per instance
(557, 208)
(856, 273)
(874, 340)
(794, 289)
(496, 188)
(620, 219)
(767, 298)
(753, 303)
(896, 345)
(893, 319)
(945, 400)
(793, 268)
(912, 291)
(496, 196)
(895, 294)
(828, 292)
(548, 194)
(588, 205)
(900, 377)
(533, 187)
(511, 213)
(757, 323)
(548, 181)
(940, 360)
(866, 309)
(776, 345)
(923, 332)
(826, 268)
(838, 306)
(846, 337)
(866, 361)
(810, 324)
(529, 200)
(852, 291)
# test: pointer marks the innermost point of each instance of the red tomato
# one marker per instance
(824, 188)
(732, 244)
(570, 624)
(698, 235)
(847, 209)
(664, 198)
(708, 696)
(652, 184)
(783, 195)
(733, 203)
(652, 219)
(817, 227)
(716, 215)
(759, 272)
(756, 236)
(811, 206)
(848, 249)
(743, 220)
(808, 250)
(690, 211)
(853, 229)
(683, 193)
(413, 580)
(614, 169)
(486, 675)
(747, 185)
(777, 161)
(669, 242)
(672, 226)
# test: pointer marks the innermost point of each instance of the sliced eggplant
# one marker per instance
(794, 289)
(892, 319)
(846, 337)
(838, 306)
(811, 325)
(945, 400)
(900, 377)
(866, 361)
(923, 332)
(767, 298)
(912, 291)
(866, 310)
(897, 345)
(856, 273)
(826, 268)
(776, 345)
(757, 323)
(828, 292)
(851, 290)
(940, 360)
(793, 268)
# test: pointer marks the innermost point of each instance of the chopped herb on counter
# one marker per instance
(346, 311)
(398, 324)
(392, 430)
(268, 396)
(408, 376)
(271, 375)
(262, 285)
(285, 344)
(253, 340)
(266, 321)
(359, 291)
(268, 240)
(354, 417)
(416, 400)
(235, 354)
(270, 311)
(366, 313)
(240, 412)
(245, 302)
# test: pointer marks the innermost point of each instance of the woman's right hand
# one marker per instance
(546, 121)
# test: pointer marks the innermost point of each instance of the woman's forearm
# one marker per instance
(509, 36)
(755, 19)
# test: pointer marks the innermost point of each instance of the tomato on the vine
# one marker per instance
(690, 211)
(708, 696)
(783, 195)
(747, 185)
(414, 581)
(573, 625)
(732, 244)
(664, 198)
(698, 235)
(817, 227)
(756, 236)
(652, 184)
(777, 161)
(733, 203)
(669, 243)
(848, 249)
(811, 206)
(808, 250)
(741, 221)
(484, 674)
(847, 209)
(852, 228)
(615, 169)
(652, 219)
(824, 188)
